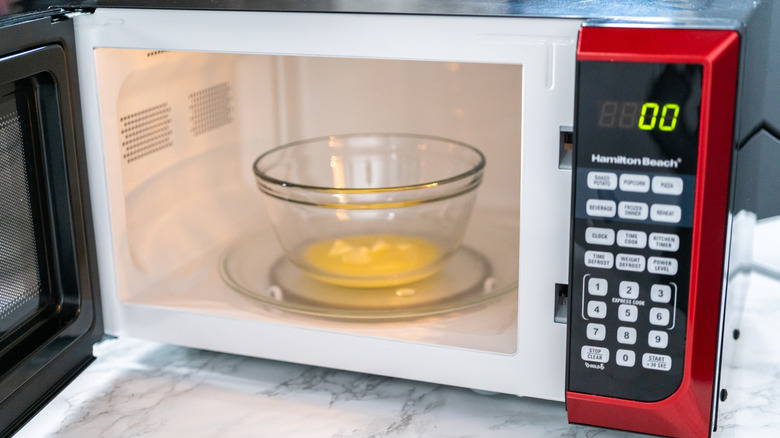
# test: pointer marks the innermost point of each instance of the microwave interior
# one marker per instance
(188, 127)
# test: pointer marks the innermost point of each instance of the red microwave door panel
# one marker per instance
(687, 412)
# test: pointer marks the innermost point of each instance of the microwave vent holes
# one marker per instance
(155, 53)
(211, 108)
(146, 132)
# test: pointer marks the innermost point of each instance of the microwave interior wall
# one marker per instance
(180, 129)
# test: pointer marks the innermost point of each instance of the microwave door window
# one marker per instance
(22, 287)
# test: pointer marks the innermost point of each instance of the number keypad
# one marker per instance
(634, 233)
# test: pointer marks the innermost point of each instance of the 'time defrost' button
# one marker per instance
(599, 259)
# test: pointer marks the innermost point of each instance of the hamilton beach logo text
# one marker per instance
(634, 161)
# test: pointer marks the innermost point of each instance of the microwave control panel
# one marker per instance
(636, 146)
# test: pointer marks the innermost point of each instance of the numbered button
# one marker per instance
(660, 293)
(597, 286)
(658, 339)
(627, 313)
(629, 290)
(625, 358)
(659, 316)
(596, 332)
(597, 309)
(626, 335)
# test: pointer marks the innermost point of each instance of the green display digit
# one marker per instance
(643, 123)
(666, 124)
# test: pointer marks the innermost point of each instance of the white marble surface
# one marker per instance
(143, 389)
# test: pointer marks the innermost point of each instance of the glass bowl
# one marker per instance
(370, 210)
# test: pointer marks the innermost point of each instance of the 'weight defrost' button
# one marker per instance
(602, 181)
(630, 262)
(601, 208)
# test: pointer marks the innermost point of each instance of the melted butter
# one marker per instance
(375, 260)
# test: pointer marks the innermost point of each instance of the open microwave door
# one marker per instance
(49, 308)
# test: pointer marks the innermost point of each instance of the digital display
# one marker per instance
(641, 111)
(646, 116)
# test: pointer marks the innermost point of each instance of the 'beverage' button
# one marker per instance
(666, 213)
(602, 181)
(600, 236)
(634, 183)
(667, 185)
(601, 208)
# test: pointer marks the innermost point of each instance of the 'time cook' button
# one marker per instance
(594, 354)
(652, 361)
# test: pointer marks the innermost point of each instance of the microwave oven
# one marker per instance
(629, 151)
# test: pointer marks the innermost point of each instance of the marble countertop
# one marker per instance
(137, 388)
